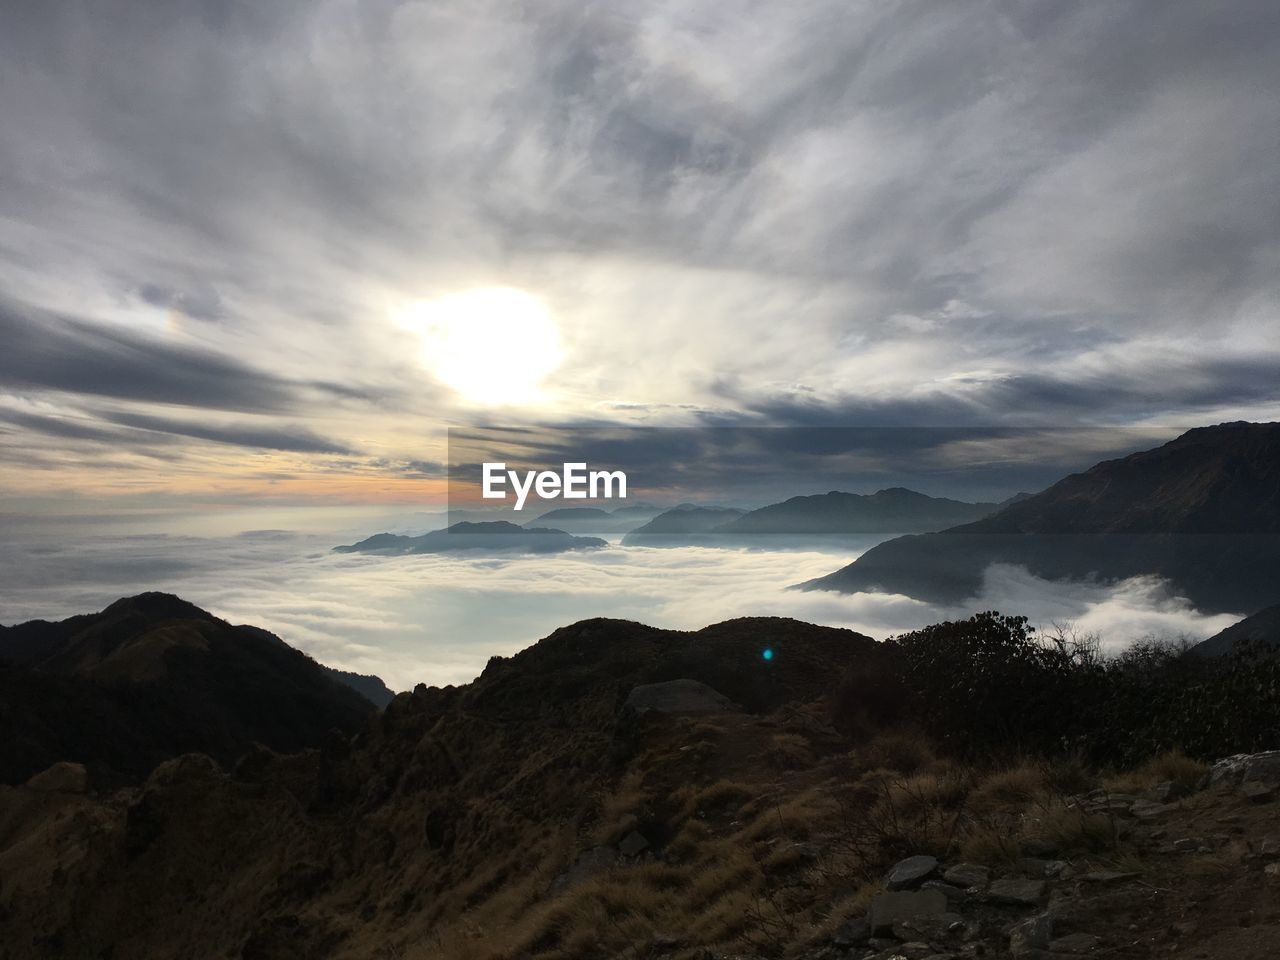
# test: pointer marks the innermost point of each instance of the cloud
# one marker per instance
(437, 619)
(808, 213)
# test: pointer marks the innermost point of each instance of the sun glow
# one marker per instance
(493, 345)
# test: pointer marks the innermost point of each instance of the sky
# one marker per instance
(267, 253)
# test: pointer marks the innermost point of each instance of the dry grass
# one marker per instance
(1172, 766)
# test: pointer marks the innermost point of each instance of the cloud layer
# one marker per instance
(806, 213)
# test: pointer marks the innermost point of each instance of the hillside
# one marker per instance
(1203, 511)
(621, 791)
(1263, 628)
(151, 677)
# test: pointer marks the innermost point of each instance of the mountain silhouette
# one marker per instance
(1263, 628)
(1202, 511)
(495, 535)
(893, 510)
(151, 677)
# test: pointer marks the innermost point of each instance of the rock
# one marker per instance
(1169, 791)
(1039, 847)
(915, 951)
(1148, 809)
(1032, 867)
(633, 844)
(589, 863)
(187, 768)
(931, 929)
(852, 932)
(910, 872)
(967, 875)
(62, 777)
(1272, 869)
(1078, 943)
(890, 908)
(1031, 935)
(1108, 876)
(952, 893)
(1257, 791)
(1269, 848)
(1263, 767)
(678, 697)
(1186, 845)
(1017, 891)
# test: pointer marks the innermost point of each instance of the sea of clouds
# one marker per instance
(437, 619)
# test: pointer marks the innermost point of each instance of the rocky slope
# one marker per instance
(1202, 511)
(1263, 628)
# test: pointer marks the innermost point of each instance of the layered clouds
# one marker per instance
(211, 215)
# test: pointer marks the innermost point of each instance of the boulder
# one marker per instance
(1243, 767)
(1030, 936)
(852, 933)
(1017, 891)
(910, 872)
(899, 905)
(678, 697)
(968, 875)
(633, 844)
(62, 777)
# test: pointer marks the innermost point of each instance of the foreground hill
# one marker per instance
(620, 791)
(151, 677)
(1203, 511)
(494, 535)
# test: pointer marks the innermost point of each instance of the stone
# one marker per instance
(896, 906)
(1257, 791)
(1108, 876)
(967, 875)
(678, 697)
(62, 777)
(1039, 847)
(1263, 767)
(1148, 809)
(1077, 943)
(1272, 869)
(952, 893)
(930, 928)
(910, 872)
(914, 951)
(1017, 891)
(852, 932)
(1186, 845)
(589, 863)
(633, 844)
(1031, 935)
(1169, 791)
(1269, 848)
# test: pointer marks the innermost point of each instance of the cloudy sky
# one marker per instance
(268, 252)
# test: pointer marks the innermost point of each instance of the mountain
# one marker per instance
(594, 520)
(367, 685)
(1202, 511)
(894, 510)
(680, 525)
(1261, 628)
(151, 677)
(496, 535)
(450, 801)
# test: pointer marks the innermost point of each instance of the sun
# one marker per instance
(494, 346)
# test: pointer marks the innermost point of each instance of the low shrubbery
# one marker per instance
(992, 687)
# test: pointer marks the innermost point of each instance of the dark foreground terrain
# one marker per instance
(622, 791)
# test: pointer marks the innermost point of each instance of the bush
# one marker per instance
(989, 688)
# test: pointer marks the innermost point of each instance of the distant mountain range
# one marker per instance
(801, 519)
(1202, 511)
(153, 676)
(594, 520)
(496, 535)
